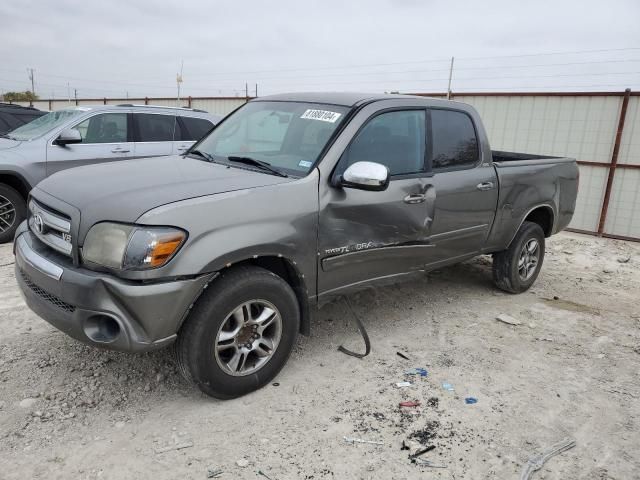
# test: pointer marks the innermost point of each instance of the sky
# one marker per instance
(129, 49)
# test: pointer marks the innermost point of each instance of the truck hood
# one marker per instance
(6, 143)
(124, 190)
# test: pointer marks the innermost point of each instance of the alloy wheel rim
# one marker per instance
(7, 214)
(529, 259)
(248, 338)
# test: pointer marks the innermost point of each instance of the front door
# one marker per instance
(105, 138)
(367, 235)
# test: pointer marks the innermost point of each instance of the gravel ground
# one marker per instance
(570, 369)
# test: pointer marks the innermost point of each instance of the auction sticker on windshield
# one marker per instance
(322, 115)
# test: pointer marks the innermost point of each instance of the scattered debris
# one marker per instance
(504, 318)
(177, 446)
(427, 463)
(359, 440)
(536, 462)
(275, 384)
(624, 259)
(260, 472)
(433, 402)
(363, 332)
(470, 400)
(214, 472)
(403, 384)
(448, 387)
(402, 355)
(415, 448)
(607, 270)
(417, 371)
(243, 462)
(410, 403)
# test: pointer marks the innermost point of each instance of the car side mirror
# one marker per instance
(68, 136)
(366, 176)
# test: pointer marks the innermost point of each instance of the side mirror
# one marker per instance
(366, 176)
(68, 136)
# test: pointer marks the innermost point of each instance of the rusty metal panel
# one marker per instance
(630, 142)
(583, 127)
(590, 196)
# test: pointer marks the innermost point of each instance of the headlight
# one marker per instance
(131, 247)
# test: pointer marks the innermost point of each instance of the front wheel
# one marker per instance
(240, 333)
(13, 210)
(516, 268)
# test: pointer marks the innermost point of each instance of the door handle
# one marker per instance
(119, 150)
(414, 198)
(485, 186)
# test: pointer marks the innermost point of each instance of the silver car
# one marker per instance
(78, 136)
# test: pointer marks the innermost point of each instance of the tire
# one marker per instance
(13, 210)
(512, 270)
(243, 290)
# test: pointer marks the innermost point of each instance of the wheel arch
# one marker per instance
(287, 270)
(17, 182)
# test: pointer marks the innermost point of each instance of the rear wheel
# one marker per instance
(516, 268)
(13, 210)
(240, 333)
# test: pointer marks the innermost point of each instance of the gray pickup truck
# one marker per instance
(290, 201)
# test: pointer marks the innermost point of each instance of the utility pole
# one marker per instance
(246, 91)
(450, 75)
(256, 90)
(68, 93)
(75, 95)
(179, 80)
(33, 88)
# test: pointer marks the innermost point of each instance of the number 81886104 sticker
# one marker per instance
(322, 115)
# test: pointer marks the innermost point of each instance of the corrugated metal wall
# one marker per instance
(579, 125)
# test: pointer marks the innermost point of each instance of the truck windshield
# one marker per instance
(44, 124)
(288, 136)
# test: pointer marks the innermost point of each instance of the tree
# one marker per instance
(25, 96)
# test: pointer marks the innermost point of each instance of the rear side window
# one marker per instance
(453, 139)
(194, 129)
(104, 128)
(154, 127)
(395, 139)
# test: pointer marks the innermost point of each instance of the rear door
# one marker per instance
(465, 183)
(188, 131)
(106, 137)
(367, 235)
(153, 134)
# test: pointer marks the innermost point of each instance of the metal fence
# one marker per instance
(600, 129)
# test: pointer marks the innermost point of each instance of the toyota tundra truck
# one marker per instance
(226, 251)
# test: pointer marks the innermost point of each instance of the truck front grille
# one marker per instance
(50, 227)
(52, 299)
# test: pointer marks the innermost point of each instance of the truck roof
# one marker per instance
(347, 99)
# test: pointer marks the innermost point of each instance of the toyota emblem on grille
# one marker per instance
(38, 224)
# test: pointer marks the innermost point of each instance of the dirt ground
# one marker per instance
(570, 369)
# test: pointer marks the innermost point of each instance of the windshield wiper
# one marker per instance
(200, 153)
(257, 163)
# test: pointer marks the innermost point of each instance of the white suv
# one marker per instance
(79, 136)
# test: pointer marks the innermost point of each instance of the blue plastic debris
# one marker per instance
(470, 400)
(448, 387)
(417, 371)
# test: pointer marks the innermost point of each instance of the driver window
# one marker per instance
(104, 128)
(395, 139)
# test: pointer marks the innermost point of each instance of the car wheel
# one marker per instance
(13, 210)
(239, 334)
(516, 268)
